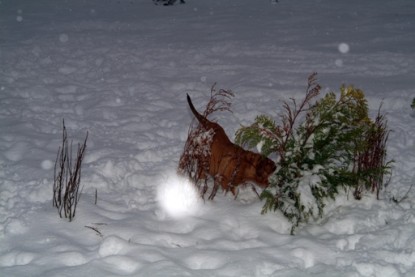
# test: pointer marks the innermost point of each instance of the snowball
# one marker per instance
(63, 38)
(112, 245)
(178, 196)
(205, 261)
(67, 70)
(344, 48)
(339, 62)
(46, 164)
(17, 151)
(121, 265)
(305, 255)
(15, 227)
(16, 257)
(71, 258)
(341, 244)
(19, 17)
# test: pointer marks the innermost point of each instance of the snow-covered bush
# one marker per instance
(321, 148)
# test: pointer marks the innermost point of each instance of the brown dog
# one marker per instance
(230, 165)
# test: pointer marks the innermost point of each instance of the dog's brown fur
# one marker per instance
(230, 165)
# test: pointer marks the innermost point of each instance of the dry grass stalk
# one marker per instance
(67, 177)
(373, 159)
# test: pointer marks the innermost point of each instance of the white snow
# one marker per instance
(120, 69)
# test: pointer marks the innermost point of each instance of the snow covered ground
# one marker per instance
(120, 69)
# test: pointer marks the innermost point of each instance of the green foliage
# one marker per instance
(335, 146)
(252, 136)
(413, 104)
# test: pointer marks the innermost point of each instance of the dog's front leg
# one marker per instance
(216, 185)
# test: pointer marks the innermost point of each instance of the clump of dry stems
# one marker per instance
(194, 161)
(67, 177)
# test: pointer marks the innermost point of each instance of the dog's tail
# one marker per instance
(198, 116)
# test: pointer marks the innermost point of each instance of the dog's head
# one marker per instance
(260, 169)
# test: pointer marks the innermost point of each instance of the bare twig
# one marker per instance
(289, 118)
(96, 230)
(404, 197)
